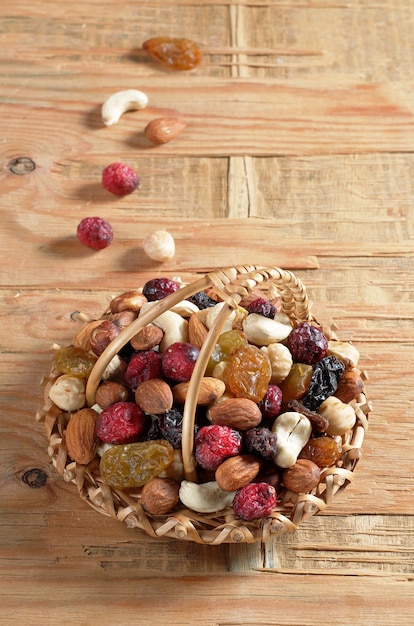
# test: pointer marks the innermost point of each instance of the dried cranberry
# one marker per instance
(122, 422)
(214, 444)
(262, 307)
(324, 381)
(178, 361)
(95, 232)
(260, 441)
(271, 402)
(143, 366)
(119, 179)
(307, 344)
(202, 300)
(254, 501)
(158, 288)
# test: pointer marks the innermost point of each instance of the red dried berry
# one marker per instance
(254, 501)
(143, 366)
(271, 403)
(122, 422)
(159, 288)
(262, 307)
(214, 444)
(307, 344)
(119, 179)
(178, 361)
(95, 232)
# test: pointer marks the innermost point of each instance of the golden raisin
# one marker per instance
(324, 451)
(176, 54)
(297, 382)
(74, 361)
(249, 373)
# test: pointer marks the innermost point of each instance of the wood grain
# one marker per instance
(298, 152)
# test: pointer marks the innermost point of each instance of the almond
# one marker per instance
(197, 332)
(238, 471)
(154, 396)
(240, 413)
(81, 440)
(147, 338)
(210, 390)
(163, 129)
(160, 495)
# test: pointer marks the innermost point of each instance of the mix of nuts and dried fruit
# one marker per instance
(273, 406)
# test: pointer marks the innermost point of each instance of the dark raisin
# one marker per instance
(260, 441)
(324, 381)
(170, 425)
(202, 300)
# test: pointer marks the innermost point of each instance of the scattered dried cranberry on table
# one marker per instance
(95, 233)
(119, 179)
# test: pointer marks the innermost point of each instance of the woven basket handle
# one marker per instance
(231, 285)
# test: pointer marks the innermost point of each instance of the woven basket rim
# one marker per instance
(230, 285)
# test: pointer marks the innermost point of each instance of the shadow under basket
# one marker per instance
(231, 286)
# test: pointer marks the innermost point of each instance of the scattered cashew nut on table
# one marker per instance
(121, 101)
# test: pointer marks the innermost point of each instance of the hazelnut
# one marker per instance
(132, 300)
(302, 477)
(350, 386)
(110, 392)
(160, 495)
(102, 335)
(159, 246)
(147, 338)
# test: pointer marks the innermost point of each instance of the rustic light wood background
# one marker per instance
(298, 153)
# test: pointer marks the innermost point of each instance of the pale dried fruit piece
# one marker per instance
(240, 413)
(238, 471)
(164, 129)
(154, 396)
(81, 440)
(210, 390)
(160, 495)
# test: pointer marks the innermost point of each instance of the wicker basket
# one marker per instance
(230, 286)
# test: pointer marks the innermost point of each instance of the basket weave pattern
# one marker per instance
(230, 286)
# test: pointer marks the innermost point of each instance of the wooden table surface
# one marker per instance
(298, 152)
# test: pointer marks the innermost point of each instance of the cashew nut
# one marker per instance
(341, 416)
(205, 498)
(212, 313)
(261, 330)
(292, 432)
(116, 105)
(68, 393)
(174, 326)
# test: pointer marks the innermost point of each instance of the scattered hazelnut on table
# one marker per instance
(159, 246)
